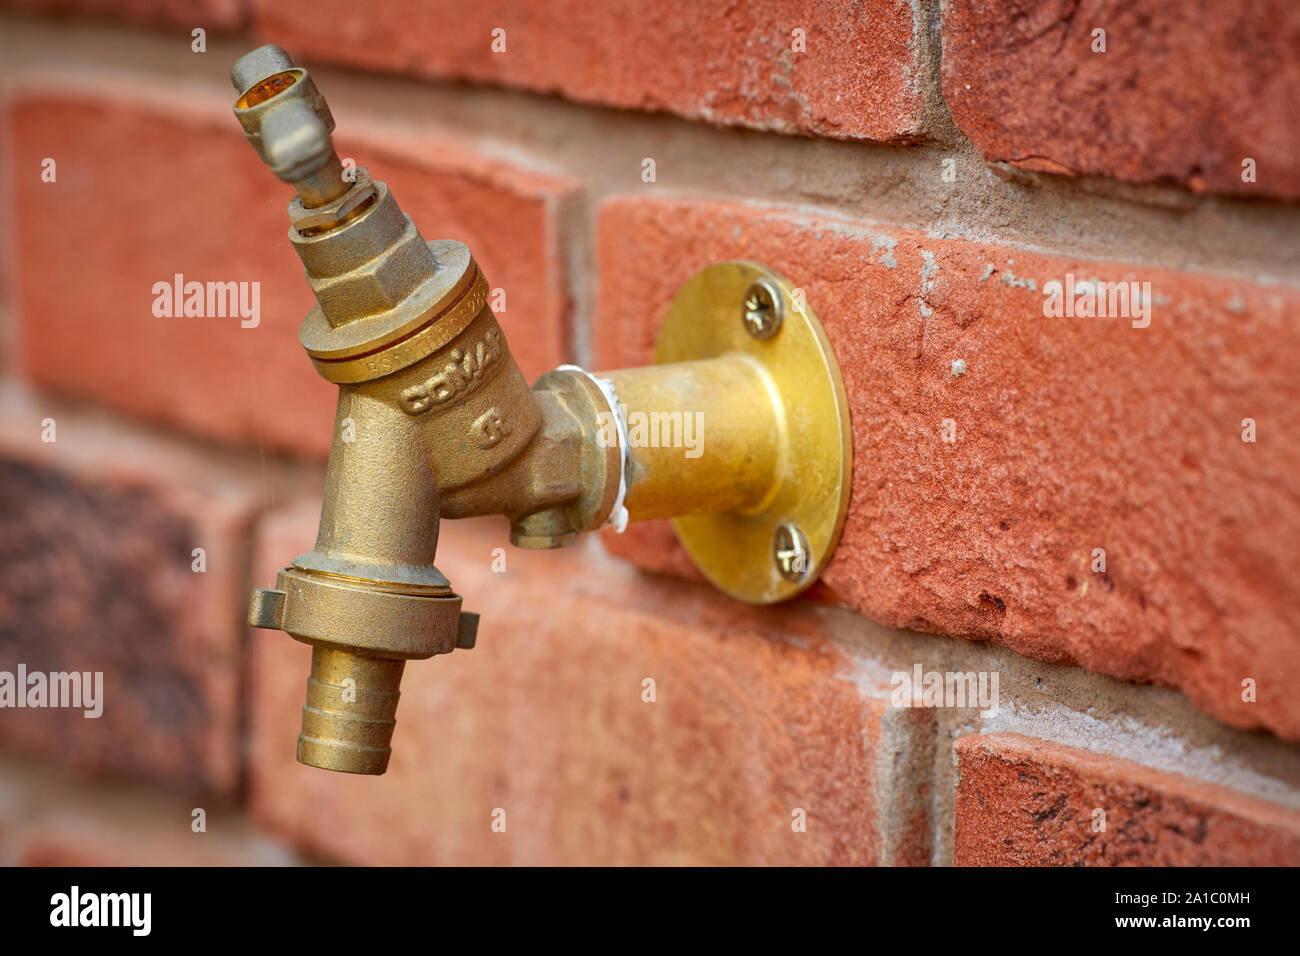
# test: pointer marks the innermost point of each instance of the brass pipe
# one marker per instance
(367, 531)
(324, 185)
(703, 436)
(350, 711)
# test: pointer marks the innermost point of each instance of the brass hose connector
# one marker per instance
(287, 121)
(435, 420)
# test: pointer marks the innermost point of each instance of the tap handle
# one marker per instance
(288, 122)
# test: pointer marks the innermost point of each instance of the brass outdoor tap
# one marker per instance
(739, 433)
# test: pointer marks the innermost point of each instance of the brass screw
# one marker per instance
(763, 309)
(790, 548)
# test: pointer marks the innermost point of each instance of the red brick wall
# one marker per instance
(922, 170)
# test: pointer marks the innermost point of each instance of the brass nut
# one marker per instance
(379, 284)
(310, 221)
(439, 311)
(366, 619)
(359, 240)
(763, 309)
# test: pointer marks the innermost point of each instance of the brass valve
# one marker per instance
(739, 432)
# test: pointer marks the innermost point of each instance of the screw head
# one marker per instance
(790, 550)
(763, 309)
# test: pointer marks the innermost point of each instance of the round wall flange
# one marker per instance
(778, 549)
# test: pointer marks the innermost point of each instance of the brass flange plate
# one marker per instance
(743, 307)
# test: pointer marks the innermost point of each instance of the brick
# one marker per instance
(756, 714)
(10, 818)
(97, 531)
(864, 75)
(1072, 434)
(223, 16)
(209, 210)
(1026, 802)
(1184, 92)
(158, 835)
(52, 818)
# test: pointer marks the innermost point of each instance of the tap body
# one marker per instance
(435, 420)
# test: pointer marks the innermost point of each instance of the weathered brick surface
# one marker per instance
(1184, 92)
(1071, 434)
(862, 76)
(10, 810)
(97, 532)
(1026, 802)
(753, 718)
(52, 818)
(212, 15)
(146, 191)
(143, 836)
